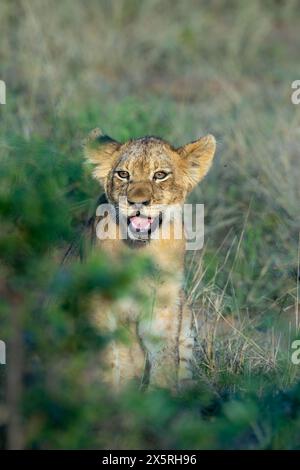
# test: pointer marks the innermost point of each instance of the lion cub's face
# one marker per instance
(143, 177)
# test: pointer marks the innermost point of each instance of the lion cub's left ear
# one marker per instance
(100, 150)
(197, 158)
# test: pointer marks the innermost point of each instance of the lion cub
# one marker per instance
(142, 178)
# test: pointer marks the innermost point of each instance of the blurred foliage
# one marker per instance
(177, 70)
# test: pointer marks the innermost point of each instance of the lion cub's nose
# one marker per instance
(144, 203)
(139, 194)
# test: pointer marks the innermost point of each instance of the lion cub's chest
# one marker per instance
(158, 290)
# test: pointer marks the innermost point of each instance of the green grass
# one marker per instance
(177, 70)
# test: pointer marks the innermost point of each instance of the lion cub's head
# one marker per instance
(143, 176)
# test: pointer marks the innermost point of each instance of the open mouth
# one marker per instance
(141, 226)
(140, 223)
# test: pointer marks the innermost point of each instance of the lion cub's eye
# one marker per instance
(123, 175)
(160, 175)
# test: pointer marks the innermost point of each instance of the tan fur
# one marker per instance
(162, 339)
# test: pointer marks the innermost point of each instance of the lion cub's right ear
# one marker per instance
(197, 158)
(100, 150)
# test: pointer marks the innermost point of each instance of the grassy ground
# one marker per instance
(178, 70)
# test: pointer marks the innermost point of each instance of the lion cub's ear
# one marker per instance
(100, 150)
(197, 158)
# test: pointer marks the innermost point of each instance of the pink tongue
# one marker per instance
(141, 223)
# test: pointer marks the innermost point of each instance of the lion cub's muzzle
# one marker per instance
(139, 219)
(142, 217)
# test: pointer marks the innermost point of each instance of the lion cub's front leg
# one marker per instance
(159, 334)
(169, 339)
(122, 359)
(122, 363)
(186, 341)
(160, 331)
